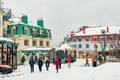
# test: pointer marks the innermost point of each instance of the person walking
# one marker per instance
(57, 64)
(47, 63)
(87, 61)
(60, 63)
(53, 61)
(69, 62)
(31, 63)
(40, 64)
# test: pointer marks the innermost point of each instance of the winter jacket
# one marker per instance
(40, 63)
(57, 62)
(69, 60)
(47, 63)
(31, 62)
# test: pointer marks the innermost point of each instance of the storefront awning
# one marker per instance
(33, 50)
(4, 40)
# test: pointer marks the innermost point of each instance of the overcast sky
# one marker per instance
(64, 16)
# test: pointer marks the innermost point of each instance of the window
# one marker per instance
(13, 30)
(34, 43)
(111, 37)
(79, 39)
(26, 30)
(47, 43)
(74, 46)
(41, 43)
(95, 38)
(74, 39)
(47, 33)
(87, 39)
(34, 32)
(40, 32)
(80, 46)
(119, 38)
(87, 45)
(26, 42)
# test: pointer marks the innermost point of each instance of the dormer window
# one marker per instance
(34, 31)
(14, 30)
(26, 31)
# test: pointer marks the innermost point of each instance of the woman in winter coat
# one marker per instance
(69, 62)
(57, 64)
(40, 64)
(47, 63)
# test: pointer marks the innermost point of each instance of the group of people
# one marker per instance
(57, 62)
(40, 64)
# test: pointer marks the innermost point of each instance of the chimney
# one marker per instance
(81, 29)
(40, 22)
(107, 29)
(24, 19)
(72, 34)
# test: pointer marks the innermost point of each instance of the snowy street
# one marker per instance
(78, 71)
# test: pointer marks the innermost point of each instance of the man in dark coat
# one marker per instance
(47, 63)
(40, 64)
(32, 62)
(60, 63)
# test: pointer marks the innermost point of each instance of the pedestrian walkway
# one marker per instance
(78, 71)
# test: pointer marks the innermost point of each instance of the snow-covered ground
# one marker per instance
(107, 71)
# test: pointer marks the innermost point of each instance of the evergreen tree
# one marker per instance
(36, 58)
(23, 59)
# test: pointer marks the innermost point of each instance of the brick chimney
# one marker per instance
(72, 34)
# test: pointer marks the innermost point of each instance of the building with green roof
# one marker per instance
(28, 34)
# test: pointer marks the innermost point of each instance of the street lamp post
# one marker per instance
(104, 46)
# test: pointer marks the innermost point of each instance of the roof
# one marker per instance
(17, 21)
(64, 47)
(34, 49)
(4, 40)
(97, 30)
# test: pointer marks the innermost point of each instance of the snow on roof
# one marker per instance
(97, 30)
(7, 41)
(17, 20)
(34, 49)
(63, 47)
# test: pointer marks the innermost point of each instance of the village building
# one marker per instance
(88, 39)
(24, 32)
